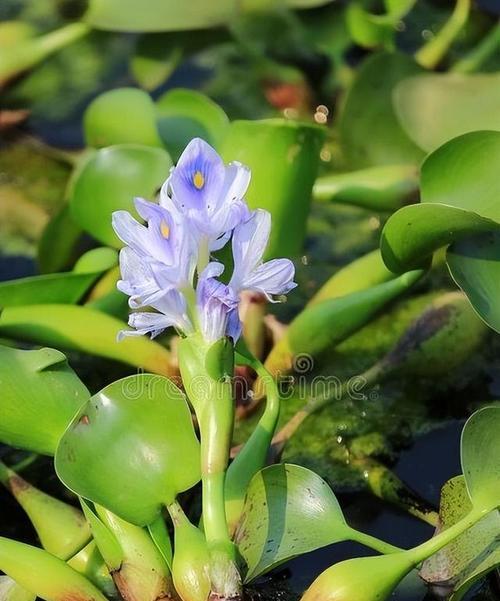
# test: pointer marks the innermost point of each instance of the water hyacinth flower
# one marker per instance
(166, 266)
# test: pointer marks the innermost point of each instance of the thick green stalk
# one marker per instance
(433, 545)
(206, 371)
(252, 457)
(431, 54)
(372, 542)
(481, 53)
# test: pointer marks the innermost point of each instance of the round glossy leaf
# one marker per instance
(40, 396)
(434, 108)
(480, 448)
(110, 180)
(369, 130)
(187, 114)
(460, 189)
(131, 448)
(121, 116)
(288, 511)
(474, 264)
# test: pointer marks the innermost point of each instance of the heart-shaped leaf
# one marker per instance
(186, 114)
(460, 563)
(131, 448)
(434, 108)
(474, 264)
(83, 329)
(480, 451)
(104, 123)
(370, 132)
(40, 396)
(110, 180)
(288, 510)
(460, 190)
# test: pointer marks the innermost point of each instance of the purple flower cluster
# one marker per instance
(166, 265)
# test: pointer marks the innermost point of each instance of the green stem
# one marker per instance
(203, 255)
(27, 54)
(478, 55)
(430, 55)
(252, 457)
(433, 545)
(372, 542)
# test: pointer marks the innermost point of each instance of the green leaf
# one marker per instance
(131, 475)
(329, 322)
(40, 396)
(67, 288)
(105, 540)
(169, 15)
(383, 188)
(143, 573)
(369, 30)
(186, 114)
(161, 538)
(29, 51)
(61, 528)
(97, 259)
(434, 108)
(104, 123)
(369, 130)
(110, 180)
(472, 554)
(460, 190)
(480, 451)
(288, 511)
(57, 245)
(86, 330)
(155, 58)
(474, 264)
(43, 574)
(284, 159)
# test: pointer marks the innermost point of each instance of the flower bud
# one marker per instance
(190, 565)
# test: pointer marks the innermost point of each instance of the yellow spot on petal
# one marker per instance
(165, 230)
(198, 180)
